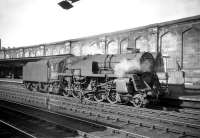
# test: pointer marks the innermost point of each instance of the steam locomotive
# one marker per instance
(114, 78)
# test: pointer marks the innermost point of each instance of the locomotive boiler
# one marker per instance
(115, 78)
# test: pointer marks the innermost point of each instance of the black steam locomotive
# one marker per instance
(115, 78)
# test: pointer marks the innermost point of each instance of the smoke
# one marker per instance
(130, 66)
(146, 66)
(126, 66)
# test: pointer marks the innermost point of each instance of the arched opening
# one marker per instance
(124, 46)
(170, 51)
(112, 47)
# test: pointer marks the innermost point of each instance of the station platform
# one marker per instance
(194, 98)
(11, 80)
(184, 101)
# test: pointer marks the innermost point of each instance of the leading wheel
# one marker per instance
(138, 100)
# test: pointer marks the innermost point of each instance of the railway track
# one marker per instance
(32, 126)
(7, 130)
(134, 119)
(81, 127)
(187, 111)
(143, 122)
(182, 113)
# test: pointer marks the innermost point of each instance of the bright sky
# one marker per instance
(30, 22)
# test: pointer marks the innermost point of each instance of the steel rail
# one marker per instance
(129, 120)
(159, 113)
(151, 114)
(20, 130)
(168, 129)
(162, 114)
(111, 129)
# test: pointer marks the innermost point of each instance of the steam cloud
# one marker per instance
(126, 66)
